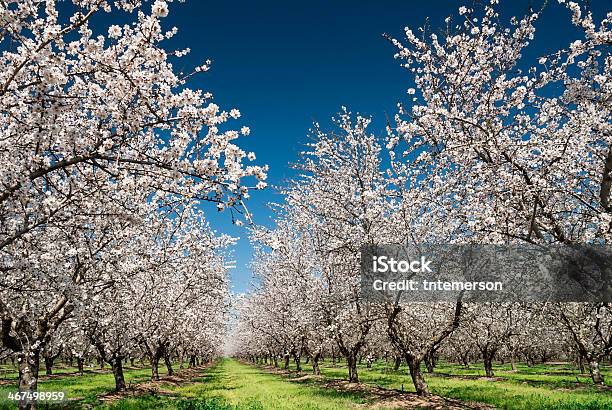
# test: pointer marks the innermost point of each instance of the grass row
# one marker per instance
(233, 385)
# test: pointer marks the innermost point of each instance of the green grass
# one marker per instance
(82, 389)
(231, 385)
(548, 386)
(237, 385)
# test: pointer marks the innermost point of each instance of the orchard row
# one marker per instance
(106, 158)
(491, 149)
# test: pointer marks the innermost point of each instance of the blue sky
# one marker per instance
(284, 64)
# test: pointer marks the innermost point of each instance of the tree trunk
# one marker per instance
(581, 365)
(465, 361)
(351, 362)
(29, 364)
(168, 364)
(48, 365)
(298, 362)
(420, 385)
(155, 364)
(430, 362)
(117, 366)
(488, 364)
(315, 364)
(596, 372)
(80, 361)
(397, 363)
(286, 361)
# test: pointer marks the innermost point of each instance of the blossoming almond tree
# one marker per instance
(291, 291)
(170, 268)
(340, 203)
(189, 277)
(332, 210)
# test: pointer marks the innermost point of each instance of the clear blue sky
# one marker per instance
(287, 63)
